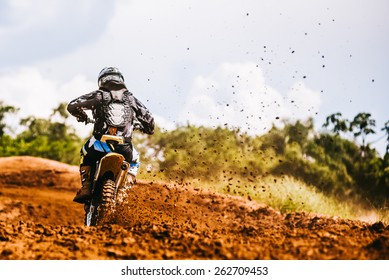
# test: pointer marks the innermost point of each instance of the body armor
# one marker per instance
(117, 111)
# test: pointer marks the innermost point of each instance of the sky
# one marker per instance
(247, 63)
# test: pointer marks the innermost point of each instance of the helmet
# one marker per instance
(110, 74)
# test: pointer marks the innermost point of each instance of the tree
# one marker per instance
(361, 126)
(299, 132)
(61, 110)
(48, 138)
(339, 124)
(5, 109)
(386, 130)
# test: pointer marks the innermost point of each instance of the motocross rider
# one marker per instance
(115, 111)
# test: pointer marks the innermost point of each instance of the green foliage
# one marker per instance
(362, 125)
(191, 152)
(45, 138)
(334, 165)
(5, 109)
(386, 130)
(338, 124)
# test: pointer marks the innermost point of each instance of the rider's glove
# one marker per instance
(82, 119)
(137, 125)
(85, 119)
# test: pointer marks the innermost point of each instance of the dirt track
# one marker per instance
(38, 220)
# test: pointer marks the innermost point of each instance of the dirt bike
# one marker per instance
(110, 180)
(109, 183)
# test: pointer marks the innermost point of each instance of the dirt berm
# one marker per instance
(38, 220)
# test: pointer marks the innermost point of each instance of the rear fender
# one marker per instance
(110, 164)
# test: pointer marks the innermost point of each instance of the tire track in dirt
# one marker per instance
(38, 220)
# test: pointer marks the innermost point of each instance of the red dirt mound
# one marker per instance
(37, 172)
(38, 220)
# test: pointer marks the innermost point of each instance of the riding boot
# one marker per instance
(132, 172)
(84, 193)
(131, 179)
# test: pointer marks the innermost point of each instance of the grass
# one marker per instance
(287, 194)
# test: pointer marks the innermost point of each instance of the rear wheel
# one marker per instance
(107, 204)
(101, 205)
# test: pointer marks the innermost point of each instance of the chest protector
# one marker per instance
(117, 111)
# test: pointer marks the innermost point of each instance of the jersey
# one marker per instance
(114, 112)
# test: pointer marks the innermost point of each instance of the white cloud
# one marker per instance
(28, 89)
(164, 123)
(237, 95)
(24, 12)
(35, 95)
(36, 30)
(302, 102)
